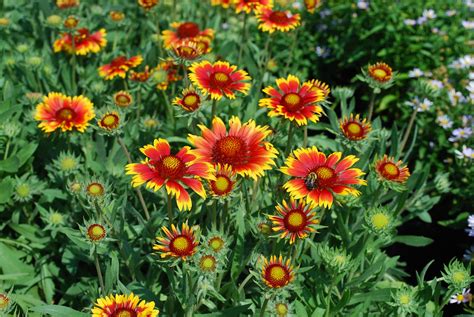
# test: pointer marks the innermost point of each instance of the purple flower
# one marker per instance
(361, 4)
(468, 153)
(462, 297)
(415, 72)
(409, 22)
(460, 133)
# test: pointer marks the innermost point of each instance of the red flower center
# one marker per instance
(170, 167)
(181, 245)
(222, 185)
(187, 29)
(295, 220)
(219, 80)
(292, 102)
(124, 312)
(390, 170)
(230, 150)
(65, 114)
(279, 17)
(277, 275)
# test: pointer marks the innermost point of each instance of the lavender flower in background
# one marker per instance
(470, 88)
(466, 152)
(437, 84)
(470, 224)
(468, 24)
(444, 121)
(469, 254)
(455, 97)
(463, 297)
(466, 120)
(429, 14)
(463, 62)
(409, 22)
(363, 5)
(415, 72)
(451, 13)
(421, 20)
(460, 133)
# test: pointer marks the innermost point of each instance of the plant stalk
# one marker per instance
(99, 272)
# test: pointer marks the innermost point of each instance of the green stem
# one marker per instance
(213, 111)
(99, 272)
(214, 214)
(371, 107)
(243, 39)
(328, 300)
(73, 62)
(170, 209)
(137, 190)
(169, 107)
(408, 130)
(305, 136)
(290, 139)
(7, 148)
(244, 282)
(264, 306)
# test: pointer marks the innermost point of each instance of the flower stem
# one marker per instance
(7, 148)
(408, 130)
(305, 136)
(243, 39)
(137, 190)
(213, 111)
(371, 107)
(244, 282)
(99, 272)
(290, 139)
(73, 64)
(264, 306)
(328, 300)
(170, 209)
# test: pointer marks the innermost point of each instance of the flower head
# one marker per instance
(293, 101)
(66, 4)
(463, 297)
(354, 128)
(311, 5)
(58, 111)
(109, 121)
(185, 31)
(216, 243)
(219, 79)
(277, 272)
(123, 305)
(174, 171)
(177, 243)
(224, 3)
(242, 147)
(96, 232)
(319, 86)
(84, 42)
(275, 20)
(457, 275)
(389, 170)
(122, 99)
(223, 182)
(147, 4)
(116, 16)
(207, 263)
(444, 121)
(405, 299)
(189, 101)
(165, 73)
(250, 5)
(4, 302)
(294, 220)
(119, 67)
(188, 50)
(318, 178)
(380, 72)
(379, 221)
(140, 76)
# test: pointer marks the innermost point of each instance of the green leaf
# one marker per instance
(414, 241)
(6, 190)
(58, 311)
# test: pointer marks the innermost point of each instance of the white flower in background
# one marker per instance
(435, 30)
(416, 72)
(470, 88)
(468, 24)
(225, 26)
(469, 3)
(468, 153)
(429, 14)
(361, 4)
(471, 76)
(451, 13)
(409, 22)
(455, 97)
(322, 51)
(421, 20)
(297, 5)
(444, 121)
(463, 62)
(462, 297)
(425, 105)
(324, 13)
(437, 84)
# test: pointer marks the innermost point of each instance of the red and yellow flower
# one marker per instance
(171, 170)
(319, 86)
(123, 305)
(380, 72)
(354, 128)
(216, 243)
(294, 220)
(311, 5)
(187, 50)
(277, 272)
(116, 16)
(250, 5)
(66, 4)
(119, 67)
(276, 20)
(317, 178)
(58, 111)
(293, 101)
(140, 76)
(185, 31)
(189, 101)
(122, 99)
(84, 42)
(224, 3)
(165, 74)
(223, 181)
(177, 243)
(219, 79)
(96, 232)
(109, 121)
(242, 147)
(388, 169)
(147, 4)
